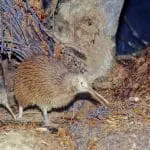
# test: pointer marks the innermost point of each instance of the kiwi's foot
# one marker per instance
(49, 129)
(52, 130)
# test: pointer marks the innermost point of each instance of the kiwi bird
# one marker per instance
(45, 81)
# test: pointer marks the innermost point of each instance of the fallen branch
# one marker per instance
(24, 34)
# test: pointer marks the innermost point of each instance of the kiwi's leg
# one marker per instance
(20, 112)
(48, 122)
(45, 115)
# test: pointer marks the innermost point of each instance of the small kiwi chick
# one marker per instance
(46, 82)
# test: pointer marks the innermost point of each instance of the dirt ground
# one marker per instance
(121, 129)
(125, 126)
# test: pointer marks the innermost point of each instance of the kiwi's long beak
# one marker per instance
(99, 97)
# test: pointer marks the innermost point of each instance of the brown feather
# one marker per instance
(41, 81)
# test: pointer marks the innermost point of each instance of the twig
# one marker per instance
(125, 57)
(1, 34)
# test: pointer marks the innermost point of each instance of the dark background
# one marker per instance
(134, 27)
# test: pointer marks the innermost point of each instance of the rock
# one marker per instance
(111, 11)
(91, 25)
